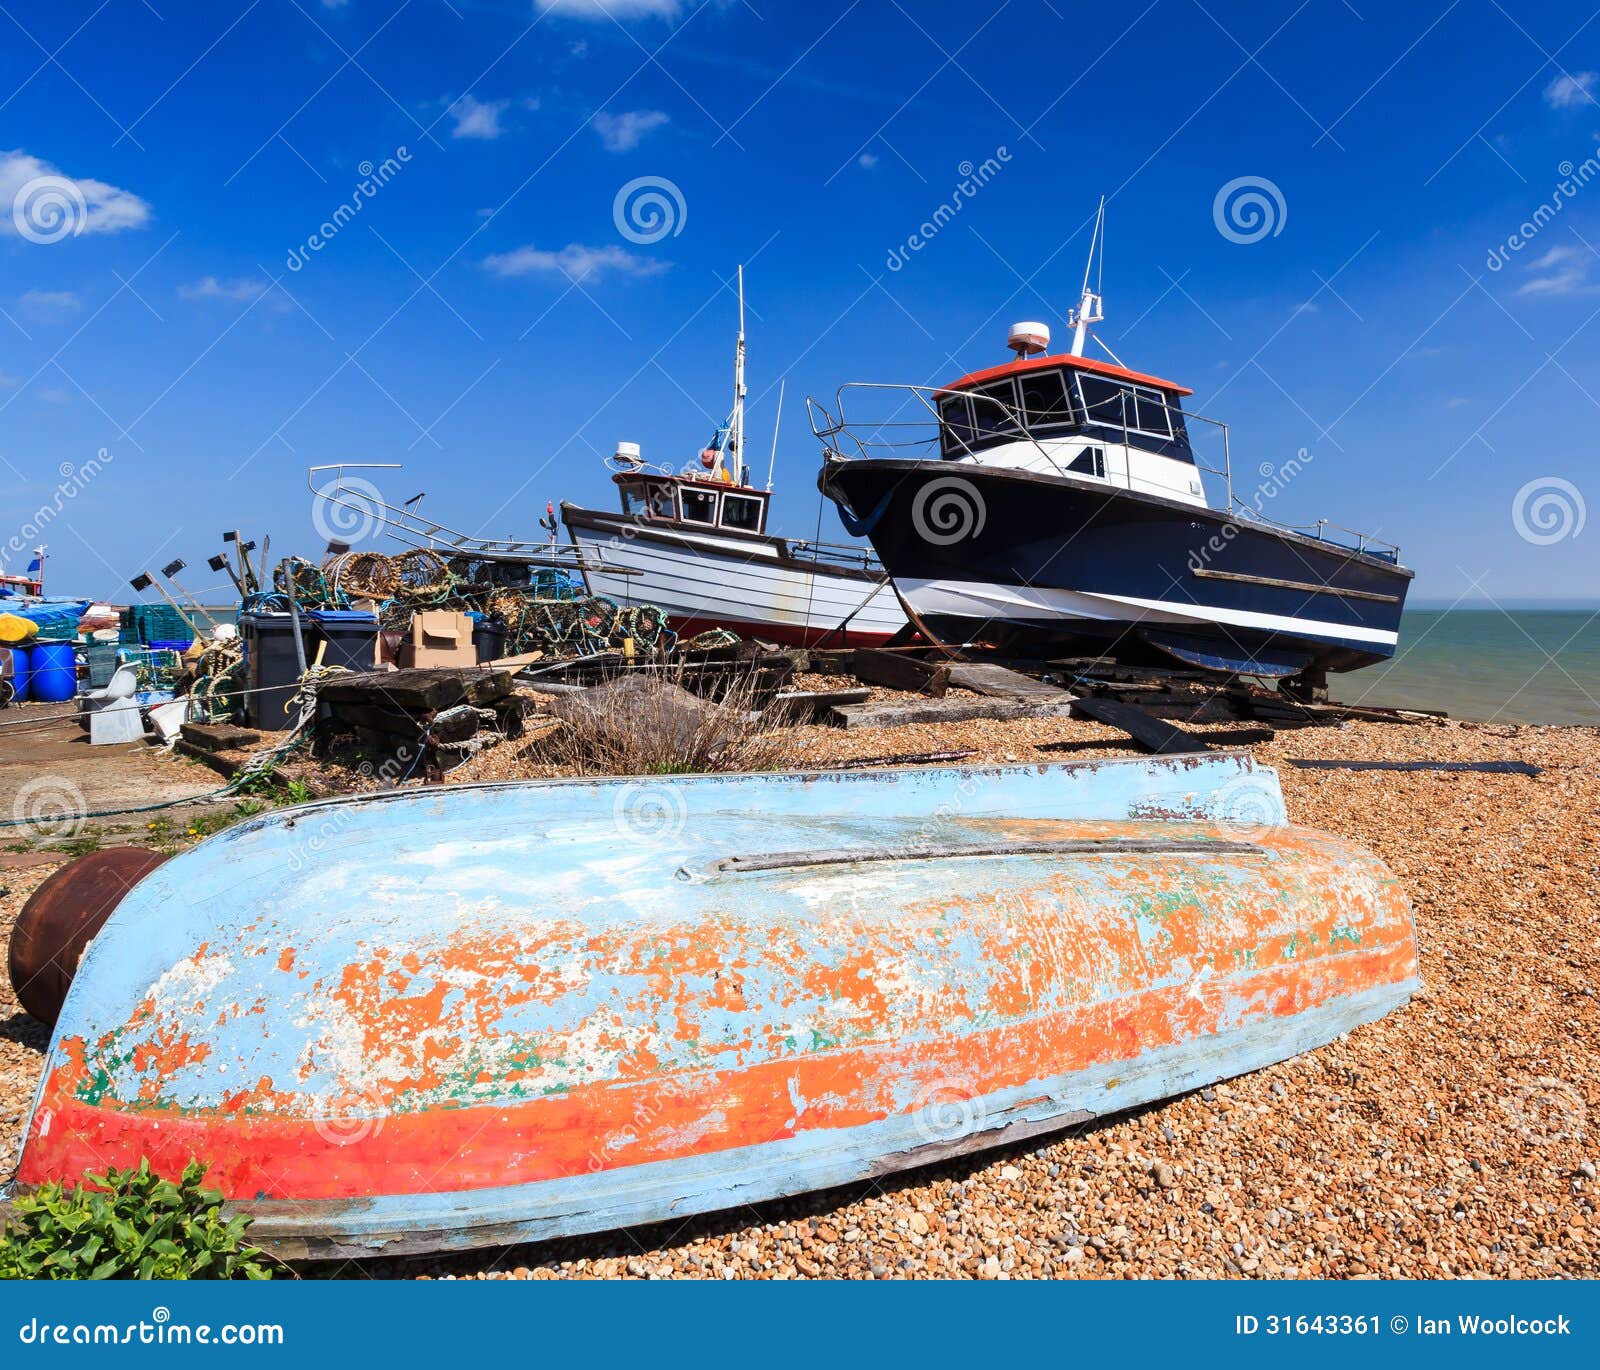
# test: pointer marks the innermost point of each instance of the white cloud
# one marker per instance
(50, 304)
(34, 194)
(623, 132)
(7, 382)
(867, 160)
(1570, 91)
(52, 396)
(1457, 402)
(1566, 272)
(612, 9)
(243, 290)
(478, 118)
(575, 261)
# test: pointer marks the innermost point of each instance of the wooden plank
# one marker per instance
(420, 688)
(899, 715)
(1485, 767)
(1000, 682)
(220, 737)
(814, 704)
(897, 672)
(1153, 734)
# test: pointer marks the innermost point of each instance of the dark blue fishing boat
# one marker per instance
(1057, 504)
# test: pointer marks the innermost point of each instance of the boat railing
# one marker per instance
(902, 436)
(374, 516)
(898, 436)
(836, 553)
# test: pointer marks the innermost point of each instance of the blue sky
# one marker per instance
(484, 320)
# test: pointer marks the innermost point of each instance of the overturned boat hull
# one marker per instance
(505, 1013)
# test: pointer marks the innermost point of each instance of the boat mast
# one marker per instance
(736, 423)
(1089, 302)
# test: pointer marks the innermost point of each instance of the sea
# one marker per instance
(1489, 665)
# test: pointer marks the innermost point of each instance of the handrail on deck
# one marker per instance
(830, 428)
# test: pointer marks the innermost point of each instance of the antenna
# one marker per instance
(772, 464)
(736, 424)
(1090, 302)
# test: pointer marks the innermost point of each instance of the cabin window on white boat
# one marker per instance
(1045, 401)
(699, 506)
(635, 499)
(742, 512)
(1124, 406)
(661, 502)
(1089, 462)
(955, 426)
(994, 410)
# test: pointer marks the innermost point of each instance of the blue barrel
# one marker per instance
(14, 667)
(54, 670)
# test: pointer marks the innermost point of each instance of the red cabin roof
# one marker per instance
(994, 373)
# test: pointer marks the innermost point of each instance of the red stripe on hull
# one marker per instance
(606, 1127)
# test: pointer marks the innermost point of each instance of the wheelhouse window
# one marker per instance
(635, 499)
(1114, 405)
(662, 505)
(1046, 402)
(994, 410)
(955, 426)
(699, 506)
(742, 512)
(1089, 462)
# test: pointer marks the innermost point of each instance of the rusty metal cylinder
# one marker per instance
(61, 918)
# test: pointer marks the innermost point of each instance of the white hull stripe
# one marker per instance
(983, 600)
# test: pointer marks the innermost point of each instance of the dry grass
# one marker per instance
(651, 725)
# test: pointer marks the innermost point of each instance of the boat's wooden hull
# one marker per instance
(750, 584)
(514, 1012)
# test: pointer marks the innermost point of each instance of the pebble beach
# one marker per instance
(1454, 1138)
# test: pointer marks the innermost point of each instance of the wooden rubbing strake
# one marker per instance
(1079, 846)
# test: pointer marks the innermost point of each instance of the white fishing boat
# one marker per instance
(695, 542)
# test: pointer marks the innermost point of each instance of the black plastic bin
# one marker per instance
(488, 639)
(352, 638)
(272, 670)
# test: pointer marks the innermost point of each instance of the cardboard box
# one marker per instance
(439, 638)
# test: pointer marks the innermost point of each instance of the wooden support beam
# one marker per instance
(899, 715)
(896, 672)
(1153, 734)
